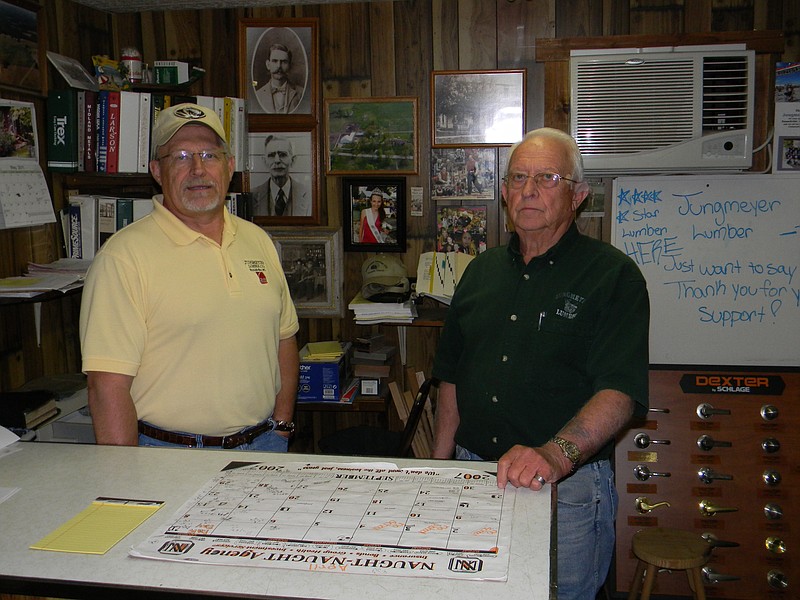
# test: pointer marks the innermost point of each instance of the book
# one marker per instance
(73, 231)
(112, 132)
(142, 207)
(132, 209)
(85, 220)
(438, 273)
(26, 409)
(90, 132)
(106, 218)
(128, 146)
(102, 130)
(62, 130)
(143, 163)
(124, 212)
(81, 120)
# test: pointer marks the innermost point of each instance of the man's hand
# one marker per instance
(521, 465)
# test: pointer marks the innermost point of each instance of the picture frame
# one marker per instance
(464, 173)
(279, 41)
(477, 108)
(73, 72)
(371, 135)
(268, 171)
(312, 262)
(383, 231)
(467, 228)
(25, 38)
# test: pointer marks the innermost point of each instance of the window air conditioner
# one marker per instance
(663, 110)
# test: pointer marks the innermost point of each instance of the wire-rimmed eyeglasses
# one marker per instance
(184, 157)
(542, 180)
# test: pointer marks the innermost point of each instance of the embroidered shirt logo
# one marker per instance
(572, 303)
(258, 267)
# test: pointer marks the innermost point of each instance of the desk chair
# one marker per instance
(365, 440)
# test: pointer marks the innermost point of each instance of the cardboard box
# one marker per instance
(171, 72)
(323, 381)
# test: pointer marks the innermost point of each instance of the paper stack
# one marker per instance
(369, 313)
(323, 351)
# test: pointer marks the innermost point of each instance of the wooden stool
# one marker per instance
(673, 549)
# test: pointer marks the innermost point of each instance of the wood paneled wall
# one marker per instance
(369, 49)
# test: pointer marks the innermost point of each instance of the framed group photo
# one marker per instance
(474, 108)
(312, 262)
(463, 228)
(278, 62)
(374, 135)
(464, 173)
(283, 182)
(374, 214)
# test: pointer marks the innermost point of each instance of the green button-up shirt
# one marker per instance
(528, 345)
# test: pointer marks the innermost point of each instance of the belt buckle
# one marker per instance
(228, 442)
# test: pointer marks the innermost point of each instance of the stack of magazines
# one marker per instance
(369, 313)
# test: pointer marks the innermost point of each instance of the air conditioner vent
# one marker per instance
(663, 110)
(725, 93)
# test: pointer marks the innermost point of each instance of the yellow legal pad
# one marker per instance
(101, 525)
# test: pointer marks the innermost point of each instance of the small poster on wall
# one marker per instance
(786, 140)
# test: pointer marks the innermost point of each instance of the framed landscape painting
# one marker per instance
(371, 135)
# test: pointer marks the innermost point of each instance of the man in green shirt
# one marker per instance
(544, 356)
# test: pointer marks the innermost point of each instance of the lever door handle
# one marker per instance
(643, 505)
(642, 473)
(709, 509)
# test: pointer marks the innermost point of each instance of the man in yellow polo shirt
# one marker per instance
(187, 326)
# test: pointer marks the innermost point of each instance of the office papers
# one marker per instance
(7, 437)
(99, 527)
(338, 517)
(28, 286)
(367, 312)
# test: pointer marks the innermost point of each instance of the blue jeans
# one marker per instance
(270, 441)
(586, 509)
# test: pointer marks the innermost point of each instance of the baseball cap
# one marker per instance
(384, 279)
(171, 119)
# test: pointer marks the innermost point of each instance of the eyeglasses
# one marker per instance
(544, 181)
(184, 157)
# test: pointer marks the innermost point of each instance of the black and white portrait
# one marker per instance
(281, 174)
(279, 70)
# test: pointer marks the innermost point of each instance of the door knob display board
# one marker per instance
(717, 455)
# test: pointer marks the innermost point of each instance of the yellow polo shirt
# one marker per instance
(197, 324)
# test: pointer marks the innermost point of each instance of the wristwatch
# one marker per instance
(570, 450)
(284, 426)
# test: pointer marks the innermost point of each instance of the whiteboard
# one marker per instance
(720, 254)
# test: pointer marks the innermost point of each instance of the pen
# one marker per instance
(541, 317)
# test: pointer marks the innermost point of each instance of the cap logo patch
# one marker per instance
(189, 112)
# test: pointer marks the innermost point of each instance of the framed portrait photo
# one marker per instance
(473, 108)
(283, 181)
(371, 135)
(312, 262)
(374, 214)
(464, 173)
(278, 65)
(23, 60)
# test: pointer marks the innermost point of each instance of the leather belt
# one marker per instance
(245, 436)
